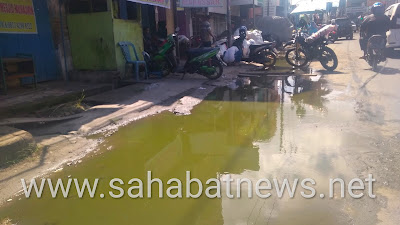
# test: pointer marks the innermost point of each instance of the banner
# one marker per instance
(356, 9)
(245, 2)
(201, 3)
(159, 3)
(17, 16)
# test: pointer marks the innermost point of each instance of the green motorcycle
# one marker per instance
(204, 61)
(164, 61)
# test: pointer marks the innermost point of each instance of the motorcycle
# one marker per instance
(204, 61)
(164, 61)
(333, 36)
(375, 51)
(222, 44)
(263, 53)
(307, 49)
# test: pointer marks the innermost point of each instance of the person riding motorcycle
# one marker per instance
(375, 24)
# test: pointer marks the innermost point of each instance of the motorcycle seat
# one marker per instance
(253, 47)
(194, 52)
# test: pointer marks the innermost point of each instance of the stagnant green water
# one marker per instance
(247, 133)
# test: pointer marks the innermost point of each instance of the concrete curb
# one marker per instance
(15, 145)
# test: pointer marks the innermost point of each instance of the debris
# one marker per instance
(58, 170)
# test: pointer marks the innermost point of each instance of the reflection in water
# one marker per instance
(305, 92)
(232, 132)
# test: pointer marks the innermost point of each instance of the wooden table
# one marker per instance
(16, 75)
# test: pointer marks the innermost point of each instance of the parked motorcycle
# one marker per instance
(164, 60)
(306, 50)
(375, 51)
(333, 36)
(222, 44)
(204, 61)
(262, 54)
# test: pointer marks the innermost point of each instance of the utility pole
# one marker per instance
(254, 14)
(175, 11)
(229, 22)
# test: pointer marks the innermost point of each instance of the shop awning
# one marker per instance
(309, 7)
(201, 3)
(160, 3)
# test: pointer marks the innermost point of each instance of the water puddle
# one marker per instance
(264, 127)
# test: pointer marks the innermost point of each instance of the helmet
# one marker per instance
(378, 8)
(243, 31)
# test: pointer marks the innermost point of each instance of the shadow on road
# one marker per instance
(383, 70)
(326, 72)
(43, 155)
(389, 71)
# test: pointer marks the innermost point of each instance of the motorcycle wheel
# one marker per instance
(296, 58)
(269, 59)
(374, 64)
(218, 70)
(328, 55)
(167, 68)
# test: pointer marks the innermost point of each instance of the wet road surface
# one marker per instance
(341, 125)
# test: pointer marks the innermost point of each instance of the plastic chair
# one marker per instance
(126, 52)
(150, 64)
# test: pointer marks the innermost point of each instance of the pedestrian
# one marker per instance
(147, 40)
(303, 23)
(205, 34)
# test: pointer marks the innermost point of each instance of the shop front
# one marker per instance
(26, 42)
(94, 43)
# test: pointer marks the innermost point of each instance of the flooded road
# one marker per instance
(294, 127)
(267, 128)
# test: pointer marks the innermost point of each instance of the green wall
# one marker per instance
(127, 30)
(92, 41)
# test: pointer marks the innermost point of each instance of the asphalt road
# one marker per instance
(344, 125)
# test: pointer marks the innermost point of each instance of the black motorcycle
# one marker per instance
(262, 54)
(375, 51)
(307, 49)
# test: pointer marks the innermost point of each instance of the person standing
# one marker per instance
(206, 35)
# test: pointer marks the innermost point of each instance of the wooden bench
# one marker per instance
(16, 68)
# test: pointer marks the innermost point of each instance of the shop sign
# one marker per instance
(17, 16)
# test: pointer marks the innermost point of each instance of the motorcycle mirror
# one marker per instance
(177, 29)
